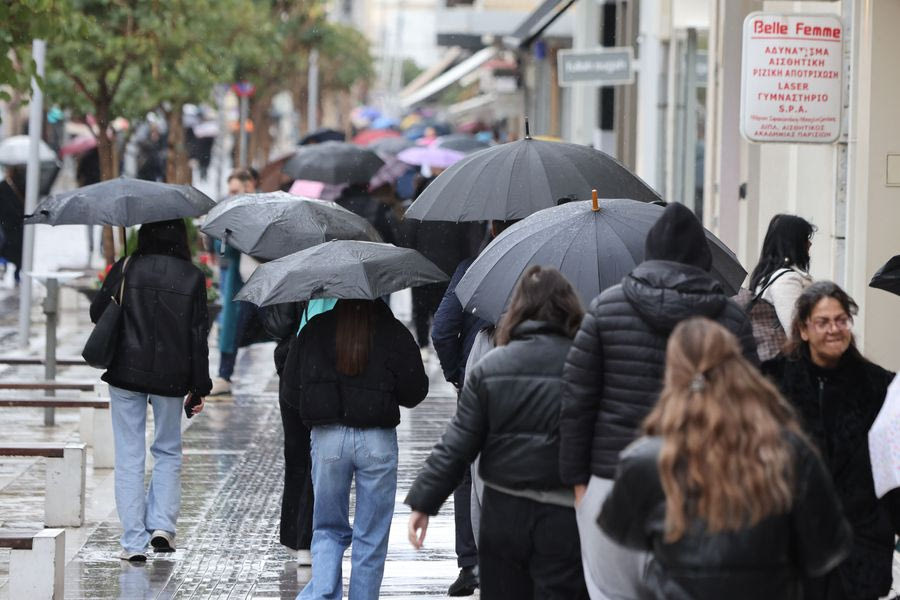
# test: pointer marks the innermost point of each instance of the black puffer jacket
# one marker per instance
(767, 561)
(281, 321)
(837, 407)
(508, 411)
(162, 345)
(614, 371)
(394, 375)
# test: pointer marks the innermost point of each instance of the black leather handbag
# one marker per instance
(100, 347)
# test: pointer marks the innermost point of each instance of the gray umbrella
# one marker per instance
(593, 249)
(14, 151)
(339, 269)
(461, 142)
(392, 146)
(269, 226)
(333, 162)
(123, 202)
(514, 180)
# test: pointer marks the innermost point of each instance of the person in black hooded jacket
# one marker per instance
(613, 377)
(509, 411)
(161, 356)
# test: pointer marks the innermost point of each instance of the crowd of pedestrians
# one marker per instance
(665, 441)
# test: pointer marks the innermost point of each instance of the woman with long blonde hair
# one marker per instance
(724, 490)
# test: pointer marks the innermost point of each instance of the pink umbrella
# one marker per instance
(79, 144)
(392, 170)
(431, 156)
(315, 189)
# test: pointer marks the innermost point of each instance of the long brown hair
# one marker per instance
(542, 294)
(725, 458)
(353, 335)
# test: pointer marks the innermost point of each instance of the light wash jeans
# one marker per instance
(140, 512)
(339, 452)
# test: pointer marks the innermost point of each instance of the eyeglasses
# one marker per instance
(823, 324)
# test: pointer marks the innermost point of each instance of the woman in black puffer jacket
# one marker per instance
(509, 412)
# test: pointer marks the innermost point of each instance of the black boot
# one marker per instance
(466, 583)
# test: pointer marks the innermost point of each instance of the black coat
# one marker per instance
(837, 407)
(443, 243)
(766, 561)
(162, 345)
(509, 412)
(453, 330)
(281, 321)
(614, 371)
(394, 375)
(12, 215)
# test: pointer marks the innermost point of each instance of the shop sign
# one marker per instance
(791, 82)
(596, 66)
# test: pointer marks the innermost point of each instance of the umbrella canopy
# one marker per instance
(390, 145)
(269, 226)
(14, 151)
(322, 135)
(339, 269)
(315, 189)
(461, 143)
(333, 162)
(888, 277)
(593, 249)
(514, 180)
(123, 202)
(432, 156)
(368, 136)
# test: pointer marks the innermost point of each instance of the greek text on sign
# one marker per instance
(596, 66)
(791, 80)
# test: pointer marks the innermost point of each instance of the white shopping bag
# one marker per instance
(884, 442)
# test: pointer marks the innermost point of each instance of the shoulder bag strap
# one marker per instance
(122, 285)
(768, 283)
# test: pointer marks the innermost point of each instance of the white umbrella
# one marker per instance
(14, 151)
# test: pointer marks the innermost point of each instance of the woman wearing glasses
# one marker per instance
(838, 394)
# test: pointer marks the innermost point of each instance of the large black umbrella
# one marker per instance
(516, 179)
(123, 202)
(461, 142)
(333, 162)
(888, 277)
(593, 249)
(269, 226)
(339, 269)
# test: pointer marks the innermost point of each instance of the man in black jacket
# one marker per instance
(613, 376)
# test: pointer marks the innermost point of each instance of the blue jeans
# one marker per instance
(339, 452)
(140, 512)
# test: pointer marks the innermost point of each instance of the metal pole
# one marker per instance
(312, 96)
(32, 182)
(245, 109)
(221, 154)
(51, 310)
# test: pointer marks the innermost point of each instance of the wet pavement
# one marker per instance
(231, 492)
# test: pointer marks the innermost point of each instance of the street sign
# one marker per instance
(792, 70)
(596, 66)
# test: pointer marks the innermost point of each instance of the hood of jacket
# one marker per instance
(665, 293)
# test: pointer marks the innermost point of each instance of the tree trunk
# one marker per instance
(261, 138)
(177, 168)
(106, 151)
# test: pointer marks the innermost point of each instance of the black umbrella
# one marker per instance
(269, 226)
(516, 179)
(461, 142)
(123, 202)
(593, 249)
(339, 269)
(333, 162)
(888, 277)
(322, 135)
(391, 146)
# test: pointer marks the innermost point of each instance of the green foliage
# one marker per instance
(346, 56)
(410, 70)
(21, 22)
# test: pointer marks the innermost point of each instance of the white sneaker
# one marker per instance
(132, 556)
(162, 541)
(220, 387)
(304, 558)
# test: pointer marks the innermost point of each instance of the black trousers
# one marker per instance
(297, 502)
(425, 302)
(466, 549)
(528, 549)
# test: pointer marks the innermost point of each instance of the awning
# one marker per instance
(431, 72)
(450, 77)
(538, 21)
